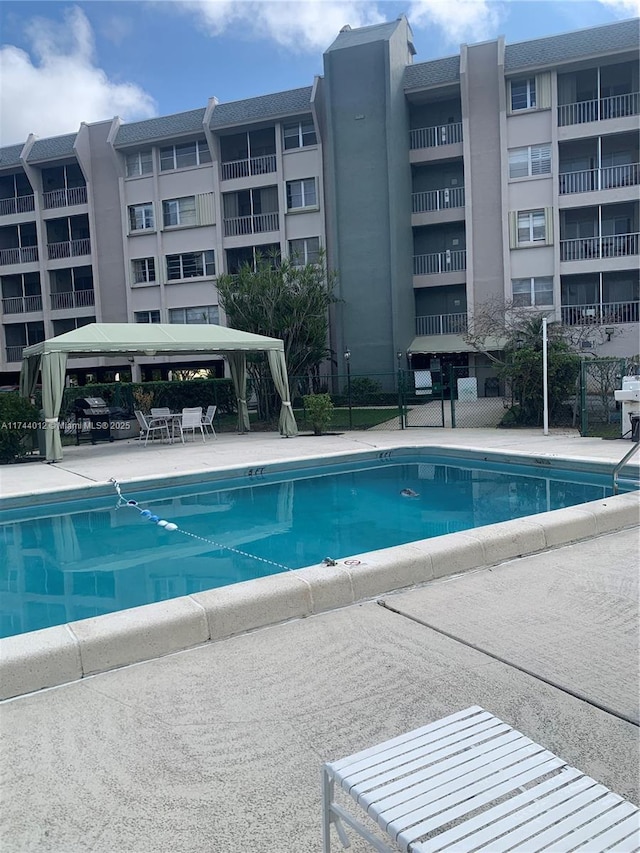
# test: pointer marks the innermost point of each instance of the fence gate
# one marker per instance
(421, 399)
(475, 396)
(599, 413)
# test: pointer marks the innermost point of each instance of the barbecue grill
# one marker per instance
(93, 419)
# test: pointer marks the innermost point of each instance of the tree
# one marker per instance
(281, 300)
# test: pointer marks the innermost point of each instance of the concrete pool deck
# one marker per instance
(219, 747)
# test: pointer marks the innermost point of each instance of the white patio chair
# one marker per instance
(148, 427)
(207, 420)
(191, 420)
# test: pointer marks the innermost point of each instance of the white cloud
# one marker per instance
(58, 86)
(299, 25)
(623, 8)
(459, 20)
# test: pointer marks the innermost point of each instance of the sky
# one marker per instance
(62, 63)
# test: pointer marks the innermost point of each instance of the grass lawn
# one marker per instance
(360, 418)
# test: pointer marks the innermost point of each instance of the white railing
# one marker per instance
(437, 200)
(69, 249)
(72, 299)
(65, 198)
(441, 324)
(252, 166)
(591, 180)
(599, 109)
(257, 224)
(431, 137)
(588, 248)
(440, 262)
(15, 353)
(19, 204)
(25, 255)
(604, 313)
(21, 304)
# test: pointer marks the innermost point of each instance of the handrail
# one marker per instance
(621, 463)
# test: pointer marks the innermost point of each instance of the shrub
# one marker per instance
(363, 390)
(176, 394)
(319, 410)
(18, 421)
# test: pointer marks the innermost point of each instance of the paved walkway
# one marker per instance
(219, 748)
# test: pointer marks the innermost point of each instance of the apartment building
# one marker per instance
(503, 174)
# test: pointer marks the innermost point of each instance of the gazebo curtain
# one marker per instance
(238, 367)
(54, 366)
(286, 423)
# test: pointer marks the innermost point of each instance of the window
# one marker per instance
(143, 270)
(523, 93)
(531, 226)
(191, 265)
(200, 314)
(141, 217)
(301, 194)
(139, 163)
(185, 155)
(147, 316)
(299, 134)
(532, 291)
(69, 324)
(530, 161)
(179, 211)
(304, 251)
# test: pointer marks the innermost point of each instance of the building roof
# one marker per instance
(163, 127)
(288, 102)
(10, 155)
(611, 38)
(52, 148)
(433, 73)
(362, 35)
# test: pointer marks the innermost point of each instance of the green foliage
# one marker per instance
(17, 433)
(284, 301)
(319, 410)
(364, 390)
(176, 394)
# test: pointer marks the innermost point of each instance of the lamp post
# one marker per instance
(545, 378)
(347, 358)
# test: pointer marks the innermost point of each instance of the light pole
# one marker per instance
(347, 358)
(545, 378)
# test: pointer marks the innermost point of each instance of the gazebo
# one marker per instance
(131, 339)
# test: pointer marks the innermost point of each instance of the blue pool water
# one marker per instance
(78, 559)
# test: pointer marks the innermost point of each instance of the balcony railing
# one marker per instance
(73, 299)
(69, 249)
(65, 198)
(592, 180)
(599, 109)
(440, 262)
(15, 353)
(437, 200)
(19, 204)
(590, 248)
(252, 166)
(441, 324)
(256, 224)
(604, 313)
(431, 137)
(25, 255)
(21, 304)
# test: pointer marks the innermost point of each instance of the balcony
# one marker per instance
(607, 313)
(590, 248)
(257, 224)
(21, 304)
(427, 202)
(14, 353)
(69, 249)
(72, 299)
(593, 180)
(251, 166)
(440, 262)
(19, 204)
(65, 197)
(24, 255)
(599, 109)
(441, 324)
(432, 137)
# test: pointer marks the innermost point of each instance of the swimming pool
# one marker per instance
(71, 560)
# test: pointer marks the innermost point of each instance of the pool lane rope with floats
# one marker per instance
(171, 527)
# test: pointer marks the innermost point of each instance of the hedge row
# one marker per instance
(177, 395)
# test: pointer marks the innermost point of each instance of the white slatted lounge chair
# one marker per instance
(207, 419)
(149, 427)
(469, 782)
(191, 420)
